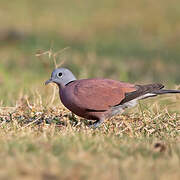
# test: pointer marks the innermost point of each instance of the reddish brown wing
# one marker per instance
(100, 94)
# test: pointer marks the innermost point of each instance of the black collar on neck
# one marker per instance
(69, 82)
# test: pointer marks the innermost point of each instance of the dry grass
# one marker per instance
(41, 142)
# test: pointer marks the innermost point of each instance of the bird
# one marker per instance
(98, 99)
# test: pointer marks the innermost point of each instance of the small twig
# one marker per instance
(52, 55)
(30, 124)
(53, 96)
(8, 107)
(30, 107)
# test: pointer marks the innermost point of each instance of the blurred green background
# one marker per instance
(136, 41)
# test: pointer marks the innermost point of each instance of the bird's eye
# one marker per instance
(60, 74)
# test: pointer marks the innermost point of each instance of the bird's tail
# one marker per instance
(165, 91)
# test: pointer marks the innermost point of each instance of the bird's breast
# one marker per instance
(70, 102)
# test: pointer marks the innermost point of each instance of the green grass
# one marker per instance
(46, 142)
(128, 41)
(83, 156)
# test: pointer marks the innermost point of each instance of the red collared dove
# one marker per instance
(98, 98)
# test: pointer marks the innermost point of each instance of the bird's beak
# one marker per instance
(48, 81)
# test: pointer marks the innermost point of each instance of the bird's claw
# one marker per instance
(95, 124)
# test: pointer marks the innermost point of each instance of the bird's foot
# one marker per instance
(96, 124)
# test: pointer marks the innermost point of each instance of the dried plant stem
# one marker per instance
(53, 56)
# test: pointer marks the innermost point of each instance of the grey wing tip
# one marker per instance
(150, 86)
(166, 91)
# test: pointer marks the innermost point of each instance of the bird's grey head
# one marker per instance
(61, 76)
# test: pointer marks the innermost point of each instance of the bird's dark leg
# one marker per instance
(97, 123)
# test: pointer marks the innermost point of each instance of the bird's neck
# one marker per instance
(61, 86)
(69, 82)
